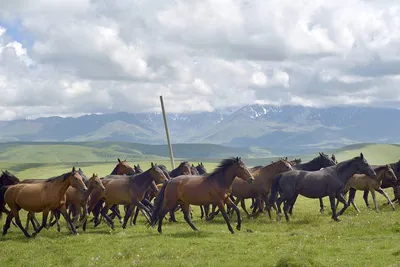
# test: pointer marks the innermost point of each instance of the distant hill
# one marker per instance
(286, 130)
(103, 151)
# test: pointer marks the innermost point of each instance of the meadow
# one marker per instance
(310, 239)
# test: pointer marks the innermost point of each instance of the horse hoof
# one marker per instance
(238, 227)
(336, 219)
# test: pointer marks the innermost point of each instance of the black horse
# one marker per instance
(329, 181)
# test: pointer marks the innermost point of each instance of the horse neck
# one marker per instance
(61, 184)
(308, 166)
(380, 175)
(142, 180)
(225, 179)
(345, 170)
(90, 188)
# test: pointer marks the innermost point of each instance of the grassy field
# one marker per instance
(310, 239)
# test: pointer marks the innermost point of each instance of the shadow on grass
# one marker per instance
(191, 234)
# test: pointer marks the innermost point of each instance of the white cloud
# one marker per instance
(80, 56)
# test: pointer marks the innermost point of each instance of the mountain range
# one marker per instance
(287, 130)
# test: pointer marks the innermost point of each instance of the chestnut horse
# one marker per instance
(40, 197)
(201, 190)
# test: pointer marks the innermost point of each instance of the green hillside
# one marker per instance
(45, 152)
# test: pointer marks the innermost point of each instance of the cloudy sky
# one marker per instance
(69, 57)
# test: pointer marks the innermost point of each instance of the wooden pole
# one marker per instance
(171, 154)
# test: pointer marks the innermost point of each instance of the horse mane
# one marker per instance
(344, 164)
(63, 176)
(225, 164)
(115, 170)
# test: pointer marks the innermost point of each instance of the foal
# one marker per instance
(364, 182)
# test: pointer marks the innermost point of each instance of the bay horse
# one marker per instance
(126, 190)
(6, 179)
(329, 181)
(364, 182)
(54, 214)
(261, 186)
(201, 190)
(40, 197)
(121, 168)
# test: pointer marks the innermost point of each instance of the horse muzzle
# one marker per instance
(250, 181)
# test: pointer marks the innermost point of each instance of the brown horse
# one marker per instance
(364, 182)
(54, 214)
(201, 190)
(261, 186)
(126, 190)
(79, 199)
(40, 197)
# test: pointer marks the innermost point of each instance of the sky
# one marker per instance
(72, 57)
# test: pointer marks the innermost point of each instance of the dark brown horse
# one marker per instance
(40, 197)
(201, 190)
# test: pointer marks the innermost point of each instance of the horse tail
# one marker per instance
(274, 189)
(158, 205)
(3, 190)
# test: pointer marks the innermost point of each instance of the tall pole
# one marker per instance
(171, 154)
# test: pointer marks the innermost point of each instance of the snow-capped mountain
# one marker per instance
(285, 129)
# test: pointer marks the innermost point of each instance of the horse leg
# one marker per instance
(321, 205)
(201, 212)
(128, 214)
(352, 195)
(105, 215)
(333, 207)
(230, 203)
(185, 210)
(172, 214)
(341, 198)
(7, 225)
(365, 196)
(45, 214)
(18, 222)
(133, 222)
(243, 205)
(291, 207)
(278, 208)
(221, 207)
(374, 200)
(380, 191)
(64, 213)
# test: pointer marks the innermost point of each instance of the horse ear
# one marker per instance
(73, 169)
(320, 154)
(119, 160)
(361, 155)
(152, 164)
(203, 164)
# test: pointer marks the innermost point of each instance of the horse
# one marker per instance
(31, 215)
(126, 190)
(329, 181)
(386, 183)
(201, 190)
(321, 161)
(261, 186)
(137, 168)
(200, 168)
(40, 197)
(121, 168)
(6, 179)
(79, 199)
(364, 182)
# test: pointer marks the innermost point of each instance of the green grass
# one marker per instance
(310, 239)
